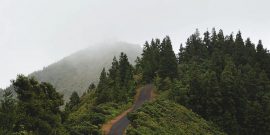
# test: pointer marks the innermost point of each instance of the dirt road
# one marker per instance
(120, 124)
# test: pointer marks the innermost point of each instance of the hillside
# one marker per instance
(165, 117)
(215, 85)
(77, 71)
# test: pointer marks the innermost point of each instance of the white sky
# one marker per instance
(36, 33)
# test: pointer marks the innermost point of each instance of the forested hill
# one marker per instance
(222, 80)
(77, 71)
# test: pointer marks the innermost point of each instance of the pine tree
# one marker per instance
(181, 54)
(250, 51)
(213, 41)
(239, 40)
(125, 69)
(207, 41)
(168, 61)
(102, 80)
(74, 100)
(229, 47)
(150, 60)
(138, 66)
(239, 56)
(263, 58)
(195, 48)
(103, 91)
(113, 71)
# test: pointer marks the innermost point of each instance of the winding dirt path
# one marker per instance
(118, 125)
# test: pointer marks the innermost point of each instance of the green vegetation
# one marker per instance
(7, 113)
(223, 79)
(119, 85)
(36, 110)
(77, 71)
(167, 118)
(158, 59)
(113, 95)
(87, 117)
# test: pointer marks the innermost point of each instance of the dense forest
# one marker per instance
(220, 81)
(222, 78)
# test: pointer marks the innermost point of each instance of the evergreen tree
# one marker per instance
(74, 100)
(102, 80)
(138, 66)
(229, 44)
(103, 91)
(207, 41)
(213, 41)
(240, 57)
(220, 39)
(147, 68)
(262, 57)
(250, 51)
(181, 54)
(113, 71)
(125, 69)
(168, 61)
(229, 86)
(38, 106)
(150, 60)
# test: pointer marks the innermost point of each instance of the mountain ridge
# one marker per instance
(75, 72)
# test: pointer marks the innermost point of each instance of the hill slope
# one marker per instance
(77, 71)
(165, 117)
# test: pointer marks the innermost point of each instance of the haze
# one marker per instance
(34, 34)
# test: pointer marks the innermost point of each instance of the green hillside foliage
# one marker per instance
(77, 71)
(113, 95)
(36, 110)
(168, 118)
(222, 78)
(225, 80)
(87, 117)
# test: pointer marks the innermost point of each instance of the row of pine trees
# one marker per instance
(118, 84)
(225, 80)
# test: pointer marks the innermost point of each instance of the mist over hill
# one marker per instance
(77, 71)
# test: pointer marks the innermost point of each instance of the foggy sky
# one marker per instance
(36, 33)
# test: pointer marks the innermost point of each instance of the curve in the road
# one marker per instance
(119, 127)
